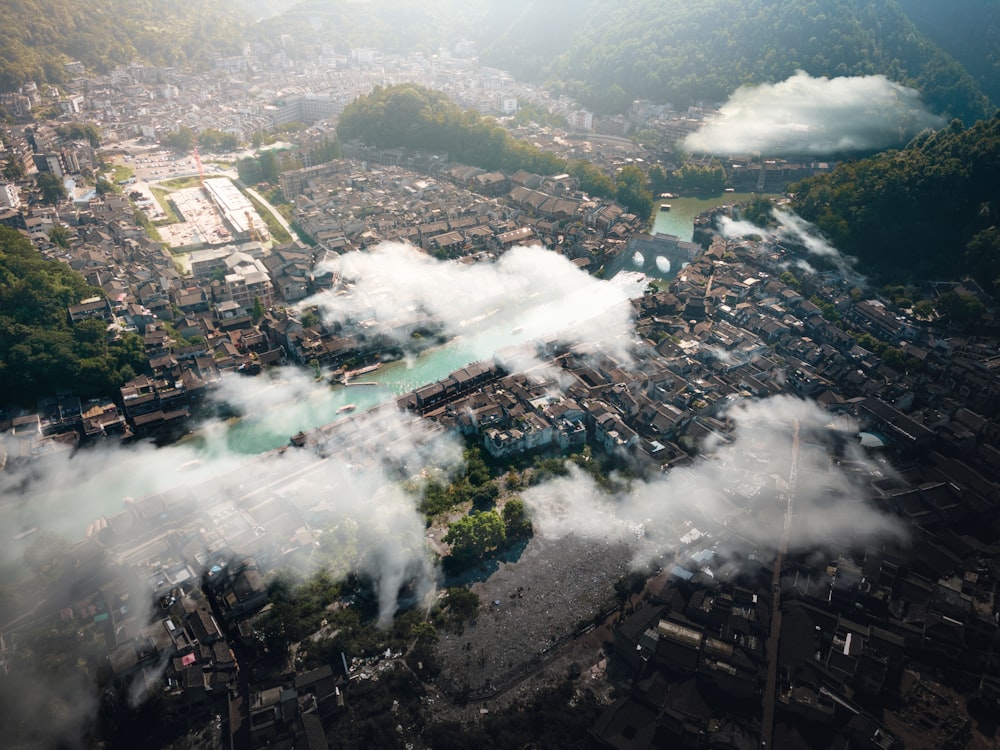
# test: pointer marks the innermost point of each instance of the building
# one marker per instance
(247, 279)
(51, 163)
(581, 120)
(98, 308)
(236, 210)
(10, 195)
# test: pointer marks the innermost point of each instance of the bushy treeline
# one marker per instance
(682, 52)
(930, 210)
(968, 30)
(415, 117)
(412, 116)
(40, 352)
(41, 36)
(608, 54)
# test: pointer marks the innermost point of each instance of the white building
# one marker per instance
(581, 120)
(10, 196)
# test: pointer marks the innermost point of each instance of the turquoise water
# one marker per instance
(265, 431)
(220, 446)
(679, 220)
(261, 432)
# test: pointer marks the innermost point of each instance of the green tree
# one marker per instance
(961, 309)
(473, 536)
(924, 309)
(789, 279)
(592, 180)
(515, 519)
(258, 310)
(982, 255)
(461, 604)
(14, 168)
(758, 211)
(270, 165)
(329, 151)
(658, 181)
(181, 140)
(249, 171)
(40, 353)
(59, 235)
(81, 131)
(211, 139)
(51, 187)
(630, 191)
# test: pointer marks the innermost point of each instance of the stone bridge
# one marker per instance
(658, 255)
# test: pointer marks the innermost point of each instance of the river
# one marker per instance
(679, 220)
(218, 445)
(271, 429)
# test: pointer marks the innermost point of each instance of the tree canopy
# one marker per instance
(101, 34)
(51, 187)
(683, 52)
(473, 536)
(40, 353)
(412, 116)
(930, 209)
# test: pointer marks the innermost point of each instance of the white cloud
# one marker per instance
(815, 116)
(528, 293)
(736, 484)
(793, 228)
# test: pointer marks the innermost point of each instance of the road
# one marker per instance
(277, 214)
(771, 688)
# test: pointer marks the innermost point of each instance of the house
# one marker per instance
(237, 587)
(94, 308)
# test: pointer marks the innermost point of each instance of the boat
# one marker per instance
(362, 370)
(346, 408)
(665, 206)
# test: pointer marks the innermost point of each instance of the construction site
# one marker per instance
(214, 213)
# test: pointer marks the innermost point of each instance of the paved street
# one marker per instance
(770, 691)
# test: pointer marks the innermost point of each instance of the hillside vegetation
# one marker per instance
(608, 54)
(412, 116)
(42, 35)
(683, 52)
(968, 30)
(604, 54)
(903, 213)
(40, 353)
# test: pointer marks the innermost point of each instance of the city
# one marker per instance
(762, 499)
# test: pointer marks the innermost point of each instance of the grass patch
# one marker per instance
(163, 198)
(142, 220)
(179, 183)
(121, 172)
(287, 210)
(278, 233)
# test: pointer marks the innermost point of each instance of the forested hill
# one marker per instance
(40, 353)
(604, 54)
(968, 30)
(412, 116)
(608, 54)
(679, 51)
(930, 210)
(40, 35)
